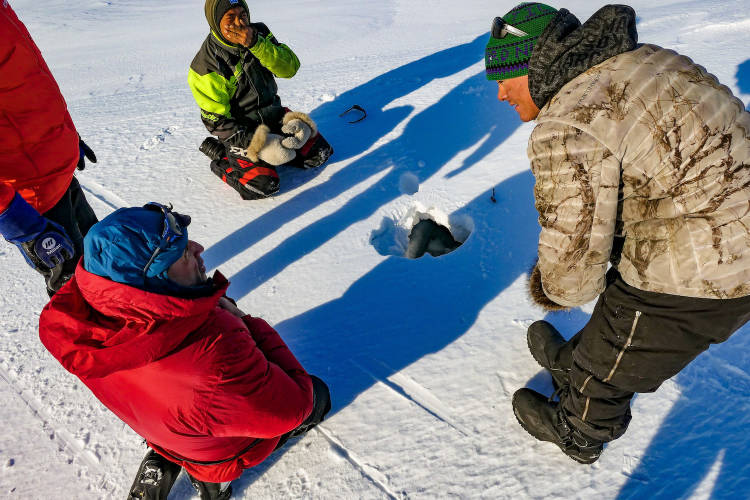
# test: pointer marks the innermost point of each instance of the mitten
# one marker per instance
(536, 291)
(268, 147)
(295, 124)
(298, 133)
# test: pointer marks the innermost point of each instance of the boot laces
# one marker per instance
(557, 394)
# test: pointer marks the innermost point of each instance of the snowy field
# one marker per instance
(422, 356)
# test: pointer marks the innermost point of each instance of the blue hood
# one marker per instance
(119, 247)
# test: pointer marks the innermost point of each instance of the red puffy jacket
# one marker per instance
(194, 380)
(38, 142)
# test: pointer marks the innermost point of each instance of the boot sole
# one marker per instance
(520, 422)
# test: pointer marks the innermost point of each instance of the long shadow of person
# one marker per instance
(458, 121)
(743, 79)
(403, 310)
(351, 140)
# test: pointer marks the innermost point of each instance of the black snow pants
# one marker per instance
(634, 341)
(75, 215)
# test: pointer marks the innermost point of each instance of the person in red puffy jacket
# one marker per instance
(212, 390)
(42, 208)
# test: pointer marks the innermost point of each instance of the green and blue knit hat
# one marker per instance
(508, 57)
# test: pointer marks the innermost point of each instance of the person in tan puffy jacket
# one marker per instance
(642, 167)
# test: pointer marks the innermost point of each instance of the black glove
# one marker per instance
(85, 152)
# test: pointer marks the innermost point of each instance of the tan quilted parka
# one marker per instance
(649, 146)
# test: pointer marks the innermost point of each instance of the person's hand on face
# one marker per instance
(235, 27)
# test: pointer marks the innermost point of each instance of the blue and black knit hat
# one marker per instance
(119, 247)
(507, 56)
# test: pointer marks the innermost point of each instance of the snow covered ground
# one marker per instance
(422, 356)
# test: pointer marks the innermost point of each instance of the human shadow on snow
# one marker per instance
(373, 324)
(743, 79)
(352, 140)
(458, 121)
(403, 309)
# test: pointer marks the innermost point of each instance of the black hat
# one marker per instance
(215, 10)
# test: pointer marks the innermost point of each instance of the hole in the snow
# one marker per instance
(421, 230)
(427, 236)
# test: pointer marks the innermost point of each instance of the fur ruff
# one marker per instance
(260, 137)
(536, 292)
(296, 115)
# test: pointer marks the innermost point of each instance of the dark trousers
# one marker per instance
(75, 215)
(634, 341)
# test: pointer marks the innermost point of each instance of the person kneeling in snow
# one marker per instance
(232, 80)
(210, 388)
(641, 160)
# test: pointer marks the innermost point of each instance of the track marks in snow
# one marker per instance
(159, 138)
(298, 485)
(409, 389)
(103, 194)
(630, 465)
(369, 472)
(74, 449)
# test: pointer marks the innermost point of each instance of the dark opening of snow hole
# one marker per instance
(427, 236)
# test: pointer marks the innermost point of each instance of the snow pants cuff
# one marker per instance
(634, 341)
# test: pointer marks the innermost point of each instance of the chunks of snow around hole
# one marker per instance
(421, 230)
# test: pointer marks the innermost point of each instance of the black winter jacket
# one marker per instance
(234, 86)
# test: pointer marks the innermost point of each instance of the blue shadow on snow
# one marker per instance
(458, 121)
(743, 79)
(374, 329)
(350, 140)
(705, 434)
(403, 310)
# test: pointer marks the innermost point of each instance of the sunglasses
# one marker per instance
(500, 29)
(173, 225)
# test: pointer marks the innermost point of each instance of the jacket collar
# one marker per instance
(119, 300)
(96, 327)
(218, 41)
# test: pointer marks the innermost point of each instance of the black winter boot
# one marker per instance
(210, 491)
(154, 479)
(546, 421)
(547, 347)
